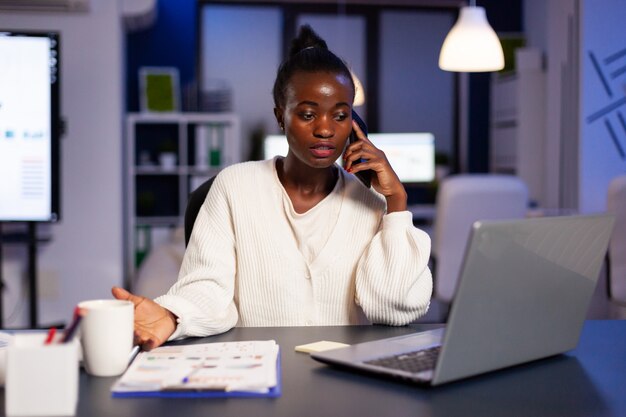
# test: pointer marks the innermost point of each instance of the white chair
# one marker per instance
(461, 200)
(616, 204)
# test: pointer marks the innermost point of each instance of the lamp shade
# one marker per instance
(359, 94)
(472, 45)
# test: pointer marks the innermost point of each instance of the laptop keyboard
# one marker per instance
(418, 361)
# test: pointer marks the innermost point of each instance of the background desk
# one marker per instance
(584, 382)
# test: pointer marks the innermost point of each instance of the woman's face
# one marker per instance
(317, 117)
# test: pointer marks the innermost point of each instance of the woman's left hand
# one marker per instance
(384, 178)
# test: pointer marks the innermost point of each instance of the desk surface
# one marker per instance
(583, 382)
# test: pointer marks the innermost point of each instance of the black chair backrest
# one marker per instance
(196, 199)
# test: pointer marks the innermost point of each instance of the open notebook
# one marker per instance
(242, 369)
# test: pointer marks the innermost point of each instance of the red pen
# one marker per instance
(50, 337)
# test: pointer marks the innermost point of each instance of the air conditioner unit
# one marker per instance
(45, 5)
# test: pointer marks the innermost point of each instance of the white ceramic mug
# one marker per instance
(106, 336)
(167, 161)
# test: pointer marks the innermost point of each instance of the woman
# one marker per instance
(298, 240)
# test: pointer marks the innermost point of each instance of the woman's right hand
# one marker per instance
(153, 323)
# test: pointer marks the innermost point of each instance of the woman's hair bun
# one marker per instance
(307, 38)
(307, 53)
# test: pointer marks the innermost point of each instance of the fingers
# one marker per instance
(146, 343)
(364, 155)
(360, 153)
(151, 344)
(153, 323)
(122, 294)
(359, 133)
(153, 326)
(351, 154)
(146, 339)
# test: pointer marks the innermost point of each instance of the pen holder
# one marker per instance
(41, 379)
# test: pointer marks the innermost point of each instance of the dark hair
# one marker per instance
(308, 53)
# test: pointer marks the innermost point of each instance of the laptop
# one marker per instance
(523, 295)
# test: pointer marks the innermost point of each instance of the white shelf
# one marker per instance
(156, 196)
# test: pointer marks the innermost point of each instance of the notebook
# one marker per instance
(523, 294)
(221, 369)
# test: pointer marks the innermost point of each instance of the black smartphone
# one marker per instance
(364, 176)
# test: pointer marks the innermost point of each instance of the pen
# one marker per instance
(133, 353)
(50, 337)
(192, 373)
(71, 330)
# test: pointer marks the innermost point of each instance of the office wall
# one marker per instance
(84, 258)
(169, 42)
(534, 23)
(415, 95)
(584, 145)
(236, 43)
(552, 28)
(603, 100)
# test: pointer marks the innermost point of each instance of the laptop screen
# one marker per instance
(412, 155)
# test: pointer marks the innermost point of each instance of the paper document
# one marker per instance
(247, 366)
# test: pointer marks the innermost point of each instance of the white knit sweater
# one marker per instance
(242, 266)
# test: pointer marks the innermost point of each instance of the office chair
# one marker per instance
(616, 255)
(461, 200)
(196, 199)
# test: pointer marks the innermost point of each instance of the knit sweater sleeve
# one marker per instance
(393, 281)
(203, 296)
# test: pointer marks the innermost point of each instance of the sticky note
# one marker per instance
(319, 346)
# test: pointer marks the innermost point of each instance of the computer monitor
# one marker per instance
(29, 126)
(274, 145)
(412, 155)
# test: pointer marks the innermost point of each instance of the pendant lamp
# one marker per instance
(359, 94)
(472, 45)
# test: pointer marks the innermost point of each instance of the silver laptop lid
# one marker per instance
(524, 292)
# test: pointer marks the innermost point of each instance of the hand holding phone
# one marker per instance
(364, 176)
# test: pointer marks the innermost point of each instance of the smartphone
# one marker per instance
(364, 176)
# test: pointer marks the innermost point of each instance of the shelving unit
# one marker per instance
(167, 157)
(518, 122)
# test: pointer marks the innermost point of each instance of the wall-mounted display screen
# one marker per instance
(29, 126)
